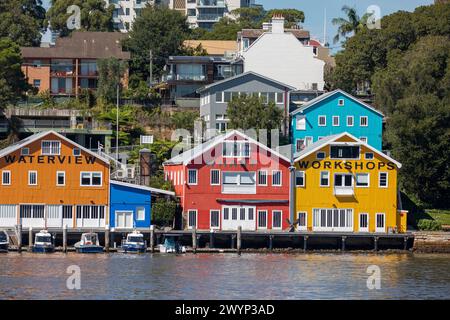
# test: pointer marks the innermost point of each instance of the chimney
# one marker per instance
(278, 23)
(145, 163)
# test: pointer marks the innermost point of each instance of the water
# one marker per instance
(225, 276)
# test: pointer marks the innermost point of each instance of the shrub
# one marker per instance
(163, 212)
(429, 225)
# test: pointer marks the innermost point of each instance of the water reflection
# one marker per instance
(224, 276)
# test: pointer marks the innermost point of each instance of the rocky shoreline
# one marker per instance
(431, 242)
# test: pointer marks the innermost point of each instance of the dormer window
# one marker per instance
(238, 149)
(50, 148)
(344, 152)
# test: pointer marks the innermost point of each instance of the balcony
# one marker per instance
(344, 191)
(184, 77)
(208, 17)
(211, 4)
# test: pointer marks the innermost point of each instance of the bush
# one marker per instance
(163, 212)
(429, 225)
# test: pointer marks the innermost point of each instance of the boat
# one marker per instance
(4, 241)
(88, 244)
(43, 242)
(134, 243)
(171, 245)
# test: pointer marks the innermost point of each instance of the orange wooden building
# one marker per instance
(49, 181)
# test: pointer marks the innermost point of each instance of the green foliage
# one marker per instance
(163, 212)
(353, 24)
(142, 93)
(157, 181)
(249, 112)
(95, 16)
(47, 99)
(293, 17)
(185, 120)
(12, 79)
(197, 51)
(110, 72)
(158, 29)
(429, 225)
(22, 21)
(162, 149)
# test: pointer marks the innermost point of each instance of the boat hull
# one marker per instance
(89, 249)
(134, 249)
(43, 249)
(4, 247)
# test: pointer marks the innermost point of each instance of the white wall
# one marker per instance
(282, 57)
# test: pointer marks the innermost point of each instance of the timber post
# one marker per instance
(271, 242)
(194, 240)
(211, 239)
(375, 243)
(305, 243)
(19, 238)
(343, 243)
(30, 239)
(65, 238)
(107, 238)
(239, 239)
(152, 239)
(405, 243)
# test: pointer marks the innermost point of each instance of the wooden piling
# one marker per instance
(233, 236)
(305, 243)
(194, 240)
(19, 238)
(30, 239)
(271, 242)
(211, 239)
(107, 238)
(65, 238)
(343, 243)
(152, 240)
(405, 243)
(239, 239)
(375, 243)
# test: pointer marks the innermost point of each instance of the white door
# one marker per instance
(124, 219)
(54, 216)
(302, 221)
(380, 223)
(32, 215)
(235, 216)
(363, 222)
(192, 219)
(8, 215)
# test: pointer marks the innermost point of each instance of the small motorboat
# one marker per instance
(171, 245)
(43, 242)
(134, 243)
(4, 241)
(88, 244)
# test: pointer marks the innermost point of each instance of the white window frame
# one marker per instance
(368, 179)
(64, 175)
(281, 219)
(281, 178)
(304, 179)
(211, 176)
(366, 229)
(387, 179)
(29, 177)
(297, 123)
(8, 172)
(383, 229)
(297, 146)
(321, 152)
(318, 121)
(257, 221)
(341, 102)
(266, 173)
(308, 138)
(364, 139)
(282, 98)
(240, 149)
(210, 219)
(91, 178)
(353, 121)
(189, 177)
(305, 227)
(137, 213)
(343, 180)
(338, 121)
(196, 218)
(361, 121)
(320, 179)
(221, 95)
(22, 153)
(51, 147)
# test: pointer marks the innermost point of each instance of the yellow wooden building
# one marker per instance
(344, 185)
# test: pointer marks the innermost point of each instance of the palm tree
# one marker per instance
(352, 24)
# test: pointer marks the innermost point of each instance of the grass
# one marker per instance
(442, 216)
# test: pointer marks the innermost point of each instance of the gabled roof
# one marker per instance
(145, 188)
(16, 146)
(330, 139)
(332, 93)
(256, 33)
(204, 88)
(187, 156)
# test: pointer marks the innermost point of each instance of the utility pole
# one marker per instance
(151, 69)
(117, 122)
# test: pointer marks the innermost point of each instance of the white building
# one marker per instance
(278, 54)
(125, 11)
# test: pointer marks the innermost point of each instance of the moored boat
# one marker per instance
(171, 245)
(134, 243)
(43, 242)
(88, 244)
(4, 241)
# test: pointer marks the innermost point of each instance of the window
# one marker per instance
(192, 176)
(332, 219)
(272, 96)
(350, 120)
(322, 121)
(262, 219)
(215, 218)
(90, 212)
(32, 178)
(362, 179)
(344, 152)
(280, 98)
(76, 152)
(343, 180)
(227, 96)
(276, 178)
(363, 222)
(308, 141)
(192, 219)
(140, 213)
(300, 178)
(215, 177)
(25, 151)
(368, 155)
(380, 227)
(226, 213)
(299, 144)
(60, 178)
(262, 178)
(301, 123)
(264, 97)
(37, 83)
(276, 219)
(237, 149)
(363, 121)
(191, 12)
(90, 179)
(31, 211)
(383, 179)
(320, 155)
(341, 102)
(239, 182)
(51, 147)
(67, 212)
(6, 178)
(219, 96)
(234, 213)
(363, 139)
(325, 179)
(335, 121)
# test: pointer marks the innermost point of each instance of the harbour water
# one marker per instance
(225, 276)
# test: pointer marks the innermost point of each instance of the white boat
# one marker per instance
(4, 241)
(43, 242)
(89, 243)
(171, 245)
(134, 243)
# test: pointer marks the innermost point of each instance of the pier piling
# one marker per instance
(343, 243)
(270, 242)
(239, 239)
(194, 240)
(305, 243)
(152, 240)
(19, 238)
(107, 238)
(233, 236)
(65, 238)
(211, 239)
(405, 243)
(30, 239)
(375, 243)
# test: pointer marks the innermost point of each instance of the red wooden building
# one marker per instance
(229, 181)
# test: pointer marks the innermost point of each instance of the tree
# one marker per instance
(293, 17)
(110, 73)
(160, 30)
(352, 24)
(163, 212)
(12, 80)
(22, 21)
(185, 120)
(94, 15)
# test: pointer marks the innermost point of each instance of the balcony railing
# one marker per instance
(344, 191)
(211, 3)
(208, 17)
(181, 77)
(38, 124)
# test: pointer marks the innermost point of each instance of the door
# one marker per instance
(262, 219)
(192, 219)
(302, 221)
(8, 215)
(32, 215)
(54, 216)
(124, 219)
(235, 216)
(380, 223)
(363, 222)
